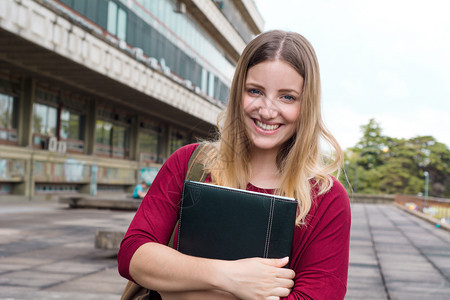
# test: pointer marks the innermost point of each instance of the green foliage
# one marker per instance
(385, 165)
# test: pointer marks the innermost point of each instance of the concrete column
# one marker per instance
(24, 188)
(134, 139)
(91, 119)
(25, 116)
(89, 144)
(166, 142)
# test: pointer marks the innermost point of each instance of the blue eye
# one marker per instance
(288, 97)
(254, 92)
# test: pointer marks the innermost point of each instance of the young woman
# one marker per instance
(269, 142)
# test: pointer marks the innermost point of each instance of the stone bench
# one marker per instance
(123, 202)
(108, 239)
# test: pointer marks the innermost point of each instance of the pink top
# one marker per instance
(320, 249)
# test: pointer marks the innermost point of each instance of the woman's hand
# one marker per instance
(258, 278)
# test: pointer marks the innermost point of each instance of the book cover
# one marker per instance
(225, 223)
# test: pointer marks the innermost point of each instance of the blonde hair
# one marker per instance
(300, 157)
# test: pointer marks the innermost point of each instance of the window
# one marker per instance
(70, 125)
(112, 18)
(150, 143)
(103, 132)
(118, 136)
(72, 129)
(204, 86)
(44, 123)
(122, 25)
(117, 21)
(177, 140)
(111, 139)
(58, 114)
(8, 128)
(211, 85)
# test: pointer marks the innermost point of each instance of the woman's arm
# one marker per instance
(321, 248)
(144, 258)
(161, 268)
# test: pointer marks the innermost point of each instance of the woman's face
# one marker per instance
(271, 103)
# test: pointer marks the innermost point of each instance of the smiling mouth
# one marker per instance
(264, 126)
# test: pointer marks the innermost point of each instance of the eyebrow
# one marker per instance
(256, 85)
(290, 91)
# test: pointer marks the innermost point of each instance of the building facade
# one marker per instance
(96, 94)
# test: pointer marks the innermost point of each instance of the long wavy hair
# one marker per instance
(300, 161)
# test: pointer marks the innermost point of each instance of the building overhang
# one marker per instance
(36, 41)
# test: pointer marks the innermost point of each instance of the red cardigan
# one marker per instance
(320, 248)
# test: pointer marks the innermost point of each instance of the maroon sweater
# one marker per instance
(320, 248)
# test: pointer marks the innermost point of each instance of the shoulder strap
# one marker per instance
(195, 169)
(195, 172)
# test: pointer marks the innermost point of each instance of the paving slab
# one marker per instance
(47, 251)
(408, 258)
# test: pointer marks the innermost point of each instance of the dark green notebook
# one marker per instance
(226, 223)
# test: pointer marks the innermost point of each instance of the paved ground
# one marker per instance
(47, 252)
(394, 255)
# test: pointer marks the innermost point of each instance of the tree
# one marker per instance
(381, 164)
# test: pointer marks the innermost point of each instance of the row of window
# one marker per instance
(52, 118)
(174, 39)
(233, 15)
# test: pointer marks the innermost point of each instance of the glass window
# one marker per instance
(211, 85)
(204, 86)
(112, 18)
(111, 139)
(44, 119)
(8, 126)
(103, 132)
(122, 25)
(44, 123)
(177, 140)
(150, 146)
(118, 137)
(70, 125)
(6, 111)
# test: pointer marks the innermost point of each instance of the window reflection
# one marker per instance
(8, 126)
(6, 111)
(44, 119)
(71, 124)
(111, 139)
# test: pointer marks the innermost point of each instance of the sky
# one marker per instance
(384, 59)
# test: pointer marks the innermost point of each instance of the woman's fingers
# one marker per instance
(276, 262)
(285, 273)
(285, 283)
(258, 278)
(281, 292)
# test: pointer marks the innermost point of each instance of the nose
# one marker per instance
(267, 109)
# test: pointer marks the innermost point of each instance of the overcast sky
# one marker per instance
(383, 59)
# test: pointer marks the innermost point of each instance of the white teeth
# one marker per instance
(266, 126)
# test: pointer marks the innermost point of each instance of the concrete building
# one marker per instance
(96, 94)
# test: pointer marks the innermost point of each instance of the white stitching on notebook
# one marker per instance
(269, 227)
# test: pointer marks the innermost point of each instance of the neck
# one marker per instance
(264, 170)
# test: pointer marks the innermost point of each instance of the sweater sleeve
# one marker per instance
(157, 215)
(320, 253)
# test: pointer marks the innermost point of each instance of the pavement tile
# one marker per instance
(12, 293)
(107, 281)
(47, 252)
(418, 290)
(71, 267)
(34, 278)
(20, 260)
(58, 252)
